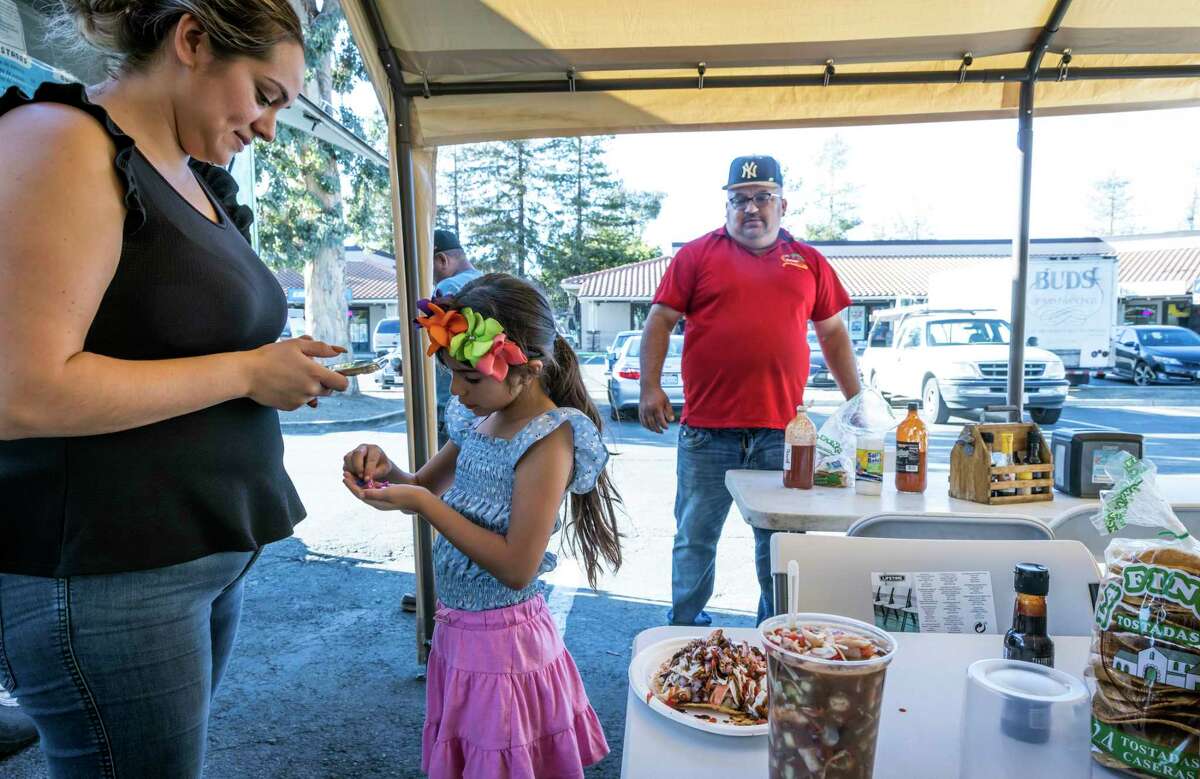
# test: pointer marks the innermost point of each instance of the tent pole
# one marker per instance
(1016, 346)
(1020, 283)
(598, 84)
(414, 390)
(415, 364)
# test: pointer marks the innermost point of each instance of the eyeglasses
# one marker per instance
(760, 200)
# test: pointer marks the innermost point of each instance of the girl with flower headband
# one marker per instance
(503, 696)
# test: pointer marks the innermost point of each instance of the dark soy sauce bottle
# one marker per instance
(1026, 639)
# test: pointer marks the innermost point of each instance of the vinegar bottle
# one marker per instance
(912, 443)
(799, 447)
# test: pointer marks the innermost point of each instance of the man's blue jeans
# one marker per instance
(701, 505)
(118, 671)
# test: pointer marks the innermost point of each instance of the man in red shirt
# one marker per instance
(748, 292)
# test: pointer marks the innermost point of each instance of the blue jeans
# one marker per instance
(701, 505)
(118, 671)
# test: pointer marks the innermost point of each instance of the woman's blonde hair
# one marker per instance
(130, 32)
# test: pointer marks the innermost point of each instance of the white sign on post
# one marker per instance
(858, 323)
(934, 602)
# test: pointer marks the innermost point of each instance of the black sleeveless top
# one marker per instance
(206, 482)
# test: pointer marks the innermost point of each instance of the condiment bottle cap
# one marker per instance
(1031, 579)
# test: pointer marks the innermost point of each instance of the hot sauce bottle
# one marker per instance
(912, 444)
(799, 449)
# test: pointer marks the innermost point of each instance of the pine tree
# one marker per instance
(450, 184)
(600, 221)
(506, 217)
(1111, 206)
(834, 205)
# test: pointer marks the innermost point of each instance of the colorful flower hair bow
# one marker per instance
(441, 325)
(470, 338)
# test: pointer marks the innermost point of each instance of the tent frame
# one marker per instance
(404, 93)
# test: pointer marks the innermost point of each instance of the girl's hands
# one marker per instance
(408, 498)
(369, 463)
(285, 376)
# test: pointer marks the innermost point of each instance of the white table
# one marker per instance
(766, 503)
(927, 678)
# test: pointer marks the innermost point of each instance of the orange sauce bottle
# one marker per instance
(912, 443)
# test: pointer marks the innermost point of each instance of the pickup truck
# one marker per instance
(954, 360)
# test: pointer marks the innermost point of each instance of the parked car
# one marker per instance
(392, 374)
(1150, 353)
(624, 383)
(818, 371)
(386, 336)
(610, 355)
(955, 360)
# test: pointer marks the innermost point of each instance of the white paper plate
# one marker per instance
(649, 660)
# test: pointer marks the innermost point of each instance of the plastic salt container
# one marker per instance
(868, 464)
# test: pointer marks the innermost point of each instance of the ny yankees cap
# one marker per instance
(757, 169)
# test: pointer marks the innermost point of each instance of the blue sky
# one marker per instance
(960, 177)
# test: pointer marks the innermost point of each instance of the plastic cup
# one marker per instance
(823, 715)
(1023, 714)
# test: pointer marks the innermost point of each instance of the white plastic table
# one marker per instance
(927, 679)
(766, 503)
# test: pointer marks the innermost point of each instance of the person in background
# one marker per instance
(141, 457)
(451, 271)
(748, 291)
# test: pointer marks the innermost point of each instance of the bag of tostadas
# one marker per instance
(1144, 667)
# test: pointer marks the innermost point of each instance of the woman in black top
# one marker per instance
(141, 461)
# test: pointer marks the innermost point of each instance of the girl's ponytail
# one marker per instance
(592, 527)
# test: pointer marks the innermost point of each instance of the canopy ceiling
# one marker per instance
(458, 46)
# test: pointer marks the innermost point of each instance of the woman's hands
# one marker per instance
(285, 376)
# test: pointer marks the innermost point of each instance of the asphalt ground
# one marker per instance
(324, 681)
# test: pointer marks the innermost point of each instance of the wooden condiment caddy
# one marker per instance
(974, 478)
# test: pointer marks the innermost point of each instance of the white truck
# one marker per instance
(956, 361)
(1070, 305)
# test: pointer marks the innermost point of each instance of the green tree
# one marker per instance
(450, 188)
(304, 219)
(367, 187)
(600, 222)
(506, 215)
(1111, 206)
(834, 204)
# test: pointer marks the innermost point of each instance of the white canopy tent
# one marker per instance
(457, 71)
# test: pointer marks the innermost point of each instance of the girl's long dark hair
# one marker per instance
(591, 528)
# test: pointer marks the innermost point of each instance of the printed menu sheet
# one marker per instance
(934, 602)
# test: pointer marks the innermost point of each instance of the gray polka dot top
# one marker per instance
(482, 492)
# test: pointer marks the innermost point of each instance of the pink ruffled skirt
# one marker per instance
(504, 698)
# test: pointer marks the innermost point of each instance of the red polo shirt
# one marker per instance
(745, 354)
